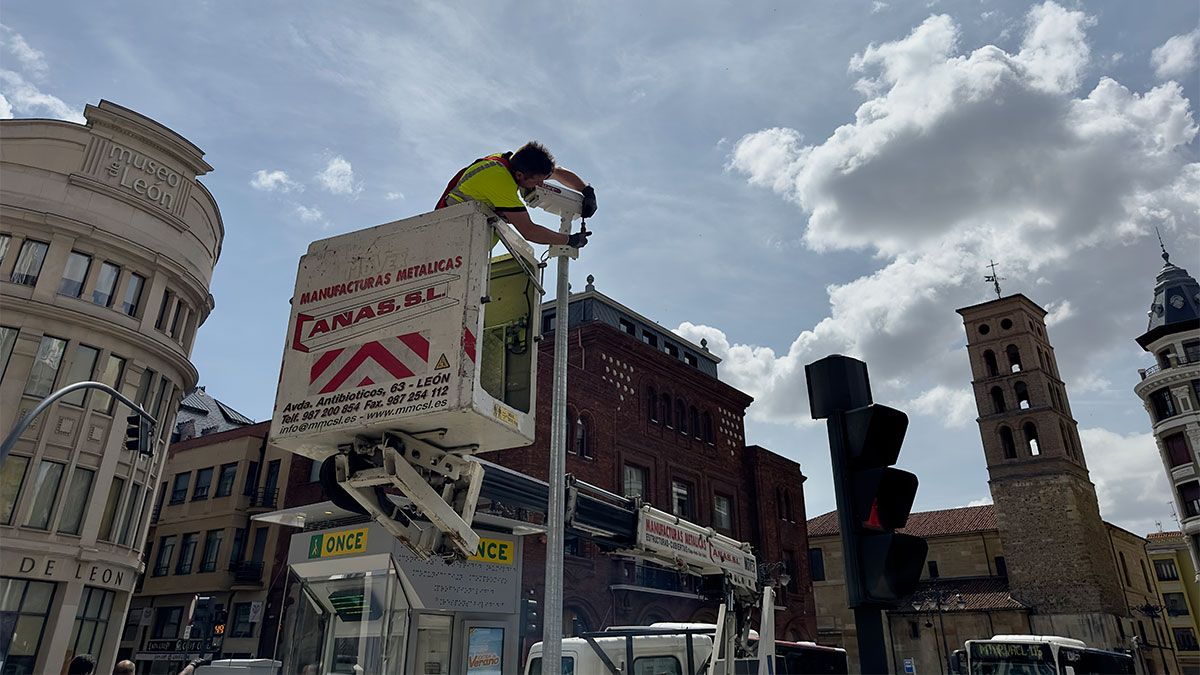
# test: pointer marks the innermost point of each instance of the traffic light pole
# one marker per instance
(21, 426)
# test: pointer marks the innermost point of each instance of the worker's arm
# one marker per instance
(568, 178)
(531, 230)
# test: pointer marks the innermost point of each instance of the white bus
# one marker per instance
(1041, 655)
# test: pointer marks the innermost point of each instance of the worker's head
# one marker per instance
(531, 165)
(125, 667)
(83, 664)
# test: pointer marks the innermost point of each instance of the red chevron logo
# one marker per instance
(363, 365)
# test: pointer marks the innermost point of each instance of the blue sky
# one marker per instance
(785, 180)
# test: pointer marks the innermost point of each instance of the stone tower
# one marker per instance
(1055, 543)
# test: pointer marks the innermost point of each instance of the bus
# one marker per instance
(1041, 655)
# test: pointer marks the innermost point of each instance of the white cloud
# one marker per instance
(338, 177)
(1131, 483)
(6, 111)
(1089, 383)
(309, 214)
(1177, 57)
(32, 61)
(25, 98)
(1058, 311)
(877, 6)
(393, 196)
(982, 501)
(274, 181)
(952, 158)
(954, 407)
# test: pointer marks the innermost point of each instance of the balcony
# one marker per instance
(1191, 355)
(247, 573)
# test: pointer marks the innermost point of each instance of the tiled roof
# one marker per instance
(1164, 536)
(977, 593)
(923, 523)
(201, 415)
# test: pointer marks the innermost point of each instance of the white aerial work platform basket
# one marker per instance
(413, 327)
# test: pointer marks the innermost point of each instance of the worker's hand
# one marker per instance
(589, 201)
(579, 239)
(203, 661)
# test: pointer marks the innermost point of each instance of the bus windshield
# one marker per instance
(1011, 658)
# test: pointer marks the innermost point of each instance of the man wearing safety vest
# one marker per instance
(496, 180)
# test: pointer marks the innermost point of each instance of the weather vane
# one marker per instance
(1165, 256)
(993, 279)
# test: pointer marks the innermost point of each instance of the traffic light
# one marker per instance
(139, 433)
(873, 498)
(220, 617)
(531, 622)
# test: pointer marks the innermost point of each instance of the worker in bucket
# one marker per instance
(497, 179)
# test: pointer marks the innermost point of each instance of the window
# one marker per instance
(1185, 640)
(634, 481)
(1164, 404)
(1178, 453)
(914, 628)
(110, 508)
(989, 362)
(651, 404)
(933, 570)
(251, 480)
(187, 552)
(694, 416)
(671, 350)
(1124, 568)
(706, 426)
(29, 262)
(106, 283)
(164, 389)
(997, 400)
(164, 310)
(5, 241)
(203, 481)
(1031, 439)
(45, 367)
(111, 374)
(1007, 443)
(91, 623)
(583, 437)
(548, 322)
(240, 626)
(76, 501)
(8, 339)
(271, 484)
(238, 550)
(664, 408)
(650, 338)
(145, 387)
(722, 513)
(212, 549)
(785, 504)
(1189, 498)
(1176, 604)
(166, 623)
(45, 487)
(1001, 566)
(133, 294)
(12, 477)
(179, 319)
(627, 327)
(682, 501)
(75, 274)
(1014, 358)
(1022, 392)
(816, 563)
(225, 481)
(27, 605)
(131, 511)
(656, 665)
(314, 471)
(82, 366)
(1165, 570)
(691, 360)
(180, 487)
(166, 548)
(681, 420)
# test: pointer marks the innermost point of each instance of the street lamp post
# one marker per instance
(939, 601)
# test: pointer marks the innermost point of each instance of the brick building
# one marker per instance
(649, 417)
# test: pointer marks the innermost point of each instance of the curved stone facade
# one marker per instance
(107, 247)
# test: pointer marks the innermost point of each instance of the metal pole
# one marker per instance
(21, 426)
(872, 657)
(942, 630)
(552, 624)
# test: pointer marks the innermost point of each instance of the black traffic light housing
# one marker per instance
(531, 621)
(139, 434)
(873, 498)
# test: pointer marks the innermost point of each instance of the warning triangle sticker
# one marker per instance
(443, 363)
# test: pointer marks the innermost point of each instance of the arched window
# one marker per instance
(569, 431)
(1022, 395)
(651, 404)
(998, 400)
(706, 420)
(664, 408)
(1042, 358)
(785, 504)
(1006, 441)
(583, 437)
(1164, 357)
(1066, 439)
(1031, 439)
(1014, 358)
(695, 422)
(989, 360)
(681, 420)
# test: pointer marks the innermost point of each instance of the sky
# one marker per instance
(785, 180)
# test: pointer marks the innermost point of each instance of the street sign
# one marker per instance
(910, 667)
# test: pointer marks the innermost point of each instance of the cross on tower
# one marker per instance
(993, 279)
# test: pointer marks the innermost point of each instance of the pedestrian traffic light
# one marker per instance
(531, 622)
(139, 433)
(873, 498)
(219, 619)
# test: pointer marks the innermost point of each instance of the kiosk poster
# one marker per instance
(485, 650)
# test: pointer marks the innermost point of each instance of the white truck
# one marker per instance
(409, 349)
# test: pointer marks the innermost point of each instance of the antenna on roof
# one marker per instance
(993, 279)
(1165, 256)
